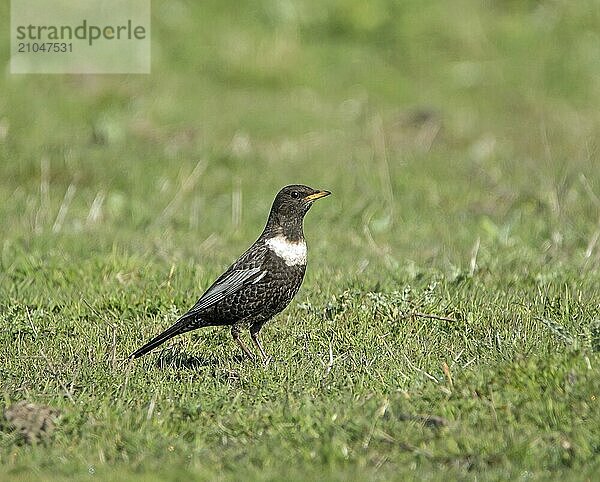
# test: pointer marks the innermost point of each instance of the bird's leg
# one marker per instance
(235, 333)
(254, 329)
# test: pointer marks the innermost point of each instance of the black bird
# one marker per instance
(261, 283)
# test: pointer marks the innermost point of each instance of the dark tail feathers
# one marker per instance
(181, 326)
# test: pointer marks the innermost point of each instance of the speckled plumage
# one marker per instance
(261, 283)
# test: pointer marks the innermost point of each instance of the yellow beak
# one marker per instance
(317, 195)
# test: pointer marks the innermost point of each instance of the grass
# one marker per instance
(461, 148)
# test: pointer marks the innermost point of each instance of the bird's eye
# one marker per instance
(295, 194)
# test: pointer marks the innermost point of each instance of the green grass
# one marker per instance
(461, 147)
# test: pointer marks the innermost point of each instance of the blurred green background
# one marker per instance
(433, 124)
(460, 140)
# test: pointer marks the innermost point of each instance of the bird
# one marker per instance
(261, 283)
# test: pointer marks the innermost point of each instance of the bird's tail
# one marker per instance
(182, 325)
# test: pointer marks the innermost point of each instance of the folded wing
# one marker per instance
(227, 284)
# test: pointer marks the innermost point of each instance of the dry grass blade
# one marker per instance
(95, 213)
(64, 208)
(236, 205)
(189, 184)
(42, 215)
(381, 154)
(474, 253)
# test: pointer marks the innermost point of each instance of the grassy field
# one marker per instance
(461, 145)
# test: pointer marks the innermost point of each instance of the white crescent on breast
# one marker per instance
(292, 252)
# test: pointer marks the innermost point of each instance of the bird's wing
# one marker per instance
(229, 283)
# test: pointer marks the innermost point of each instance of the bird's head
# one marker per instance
(290, 206)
